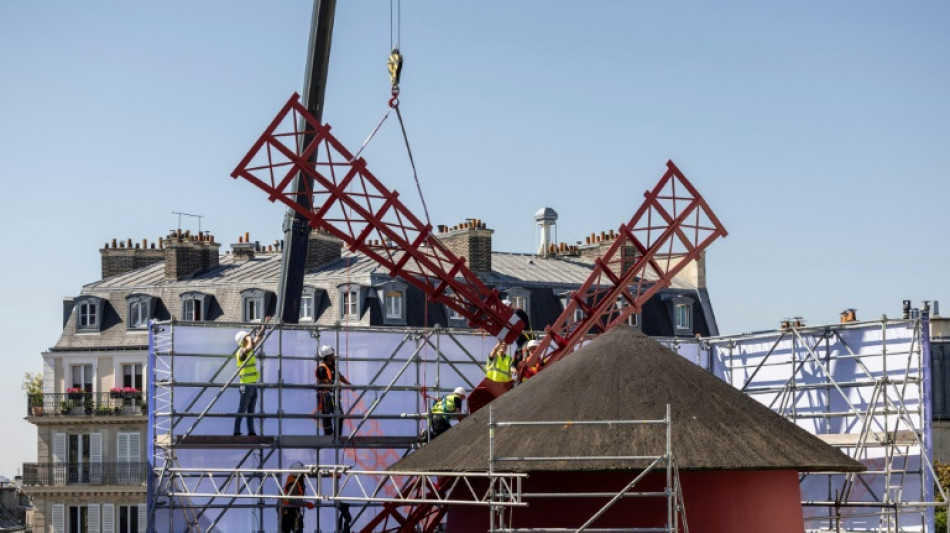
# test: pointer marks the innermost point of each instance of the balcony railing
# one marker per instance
(86, 404)
(63, 474)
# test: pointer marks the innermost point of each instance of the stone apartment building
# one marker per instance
(91, 423)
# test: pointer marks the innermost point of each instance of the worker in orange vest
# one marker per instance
(529, 371)
(291, 511)
(326, 375)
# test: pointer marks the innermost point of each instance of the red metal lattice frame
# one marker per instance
(670, 229)
(350, 203)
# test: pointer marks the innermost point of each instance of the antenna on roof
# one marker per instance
(180, 214)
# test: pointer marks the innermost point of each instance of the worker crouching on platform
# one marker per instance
(442, 409)
(291, 511)
(326, 404)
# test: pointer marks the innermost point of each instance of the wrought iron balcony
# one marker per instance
(86, 404)
(87, 473)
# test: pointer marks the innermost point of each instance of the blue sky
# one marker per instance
(817, 131)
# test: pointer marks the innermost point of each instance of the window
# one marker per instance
(306, 307)
(87, 316)
(631, 320)
(192, 310)
(393, 294)
(82, 455)
(79, 519)
(255, 303)
(681, 314)
(519, 302)
(78, 457)
(130, 517)
(132, 375)
(88, 313)
(253, 311)
(81, 377)
(128, 469)
(194, 306)
(349, 301)
(140, 311)
(394, 302)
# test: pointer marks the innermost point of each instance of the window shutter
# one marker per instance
(95, 447)
(49, 376)
(94, 518)
(108, 518)
(58, 519)
(59, 447)
(143, 517)
(135, 451)
(95, 458)
(122, 447)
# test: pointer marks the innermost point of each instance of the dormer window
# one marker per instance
(88, 313)
(194, 306)
(254, 303)
(681, 314)
(308, 304)
(140, 309)
(520, 299)
(394, 303)
(350, 302)
(631, 320)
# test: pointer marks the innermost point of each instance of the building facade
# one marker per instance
(92, 419)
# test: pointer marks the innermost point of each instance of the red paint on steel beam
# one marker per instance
(349, 208)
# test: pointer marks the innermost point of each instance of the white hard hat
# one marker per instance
(239, 336)
(460, 391)
(326, 350)
(297, 465)
(533, 343)
(507, 302)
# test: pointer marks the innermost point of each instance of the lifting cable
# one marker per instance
(394, 65)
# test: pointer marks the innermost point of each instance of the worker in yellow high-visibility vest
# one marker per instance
(442, 409)
(248, 376)
(498, 367)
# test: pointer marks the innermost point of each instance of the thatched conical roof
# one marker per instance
(625, 375)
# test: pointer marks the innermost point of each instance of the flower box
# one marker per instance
(75, 393)
(125, 393)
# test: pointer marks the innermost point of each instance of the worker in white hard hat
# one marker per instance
(442, 409)
(529, 368)
(291, 511)
(327, 376)
(248, 376)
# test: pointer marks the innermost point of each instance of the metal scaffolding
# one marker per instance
(672, 491)
(204, 478)
(862, 387)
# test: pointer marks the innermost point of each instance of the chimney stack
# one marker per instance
(187, 255)
(322, 248)
(118, 258)
(244, 249)
(471, 240)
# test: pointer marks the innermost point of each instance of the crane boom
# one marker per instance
(296, 226)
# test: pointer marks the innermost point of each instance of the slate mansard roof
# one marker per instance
(544, 280)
